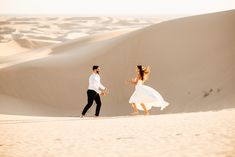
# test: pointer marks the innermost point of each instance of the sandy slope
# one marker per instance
(204, 134)
(192, 61)
(10, 59)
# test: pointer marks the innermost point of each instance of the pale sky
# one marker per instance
(114, 7)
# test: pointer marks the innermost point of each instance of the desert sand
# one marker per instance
(205, 134)
(43, 90)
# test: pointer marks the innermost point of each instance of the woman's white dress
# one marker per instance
(147, 95)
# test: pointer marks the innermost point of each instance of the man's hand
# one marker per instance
(104, 92)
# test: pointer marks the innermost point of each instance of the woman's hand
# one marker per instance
(132, 81)
(128, 81)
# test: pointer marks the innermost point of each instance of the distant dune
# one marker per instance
(34, 32)
(191, 59)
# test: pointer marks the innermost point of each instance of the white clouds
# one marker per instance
(113, 6)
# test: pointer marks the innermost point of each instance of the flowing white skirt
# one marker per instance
(149, 96)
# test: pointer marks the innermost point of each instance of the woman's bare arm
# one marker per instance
(133, 81)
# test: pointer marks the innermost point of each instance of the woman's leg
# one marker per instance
(146, 112)
(134, 108)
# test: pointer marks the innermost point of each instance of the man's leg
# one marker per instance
(98, 104)
(90, 98)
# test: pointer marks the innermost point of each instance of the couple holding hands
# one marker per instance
(143, 98)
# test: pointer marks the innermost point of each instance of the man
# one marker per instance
(95, 89)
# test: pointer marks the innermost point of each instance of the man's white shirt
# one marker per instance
(94, 83)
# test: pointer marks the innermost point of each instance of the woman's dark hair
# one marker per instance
(95, 67)
(141, 72)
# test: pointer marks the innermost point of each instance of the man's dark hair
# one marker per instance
(95, 67)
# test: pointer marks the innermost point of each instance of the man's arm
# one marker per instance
(103, 89)
(101, 86)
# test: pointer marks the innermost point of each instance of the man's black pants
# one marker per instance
(92, 95)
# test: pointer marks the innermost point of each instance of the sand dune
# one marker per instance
(39, 31)
(10, 48)
(192, 62)
(21, 57)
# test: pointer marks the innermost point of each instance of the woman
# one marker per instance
(145, 97)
